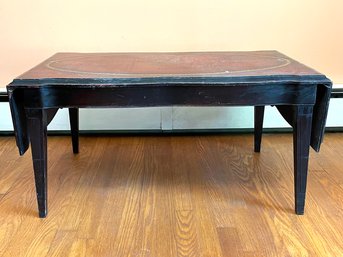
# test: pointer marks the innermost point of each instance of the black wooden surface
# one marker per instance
(258, 127)
(37, 127)
(74, 128)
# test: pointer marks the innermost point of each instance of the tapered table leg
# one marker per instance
(301, 146)
(74, 127)
(258, 127)
(37, 128)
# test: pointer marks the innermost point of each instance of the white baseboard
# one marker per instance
(337, 85)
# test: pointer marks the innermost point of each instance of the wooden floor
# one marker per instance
(167, 196)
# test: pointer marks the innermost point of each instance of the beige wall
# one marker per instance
(308, 30)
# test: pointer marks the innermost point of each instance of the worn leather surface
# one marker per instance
(113, 65)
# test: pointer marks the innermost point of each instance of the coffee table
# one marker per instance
(257, 78)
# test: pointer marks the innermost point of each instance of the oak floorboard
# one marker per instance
(156, 236)
(10, 161)
(127, 232)
(172, 196)
(185, 235)
(181, 168)
(79, 215)
(229, 241)
(16, 205)
(62, 243)
(41, 231)
(124, 157)
(202, 190)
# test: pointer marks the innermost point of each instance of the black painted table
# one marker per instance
(77, 80)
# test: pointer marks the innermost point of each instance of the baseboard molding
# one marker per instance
(171, 132)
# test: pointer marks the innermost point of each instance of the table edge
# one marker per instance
(158, 81)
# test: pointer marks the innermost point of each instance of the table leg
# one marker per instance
(37, 128)
(258, 127)
(74, 127)
(301, 146)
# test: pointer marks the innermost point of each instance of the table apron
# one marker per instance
(148, 96)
